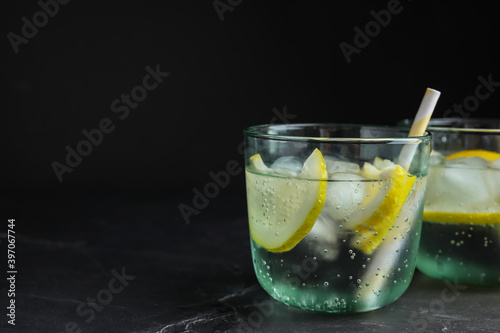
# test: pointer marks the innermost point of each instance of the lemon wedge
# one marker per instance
(462, 218)
(490, 156)
(372, 231)
(283, 209)
(467, 217)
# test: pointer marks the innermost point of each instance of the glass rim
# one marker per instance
(438, 124)
(254, 132)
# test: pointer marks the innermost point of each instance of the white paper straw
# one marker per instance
(419, 125)
(384, 261)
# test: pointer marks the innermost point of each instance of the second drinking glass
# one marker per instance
(461, 230)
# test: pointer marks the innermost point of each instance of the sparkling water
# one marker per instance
(468, 253)
(461, 253)
(324, 271)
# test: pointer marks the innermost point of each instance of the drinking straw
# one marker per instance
(424, 112)
(389, 254)
(419, 125)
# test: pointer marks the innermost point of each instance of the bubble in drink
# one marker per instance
(461, 229)
(340, 266)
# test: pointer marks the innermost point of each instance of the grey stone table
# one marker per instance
(120, 263)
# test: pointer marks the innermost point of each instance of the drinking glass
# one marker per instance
(461, 229)
(334, 221)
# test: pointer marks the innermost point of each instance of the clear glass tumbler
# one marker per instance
(334, 221)
(461, 230)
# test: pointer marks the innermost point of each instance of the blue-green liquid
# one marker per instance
(461, 253)
(324, 272)
(304, 278)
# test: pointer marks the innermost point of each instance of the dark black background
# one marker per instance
(224, 76)
(120, 206)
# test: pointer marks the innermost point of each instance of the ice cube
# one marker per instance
(370, 171)
(324, 238)
(467, 162)
(334, 165)
(287, 165)
(436, 158)
(495, 164)
(382, 164)
(492, 180)
(457, 189)
(346, 191)
(380, 169)
(493, 175)
(350, 200)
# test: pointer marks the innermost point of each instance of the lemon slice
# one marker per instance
(466, 217)
(283, 209)
(490, 156)
(372, 231)
(462, 218)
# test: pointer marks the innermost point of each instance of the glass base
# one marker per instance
(342, 286)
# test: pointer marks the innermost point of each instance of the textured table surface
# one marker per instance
(99, 263)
